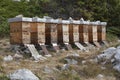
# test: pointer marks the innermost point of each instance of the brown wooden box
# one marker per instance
(19, 32)
(60, 33)
(101, 30)
(65, 33)
(92, 33)
(71, 40)
(83, 33)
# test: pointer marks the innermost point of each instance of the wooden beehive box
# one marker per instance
(60, 32)
(83, 31)
(39, 30)
(93, 32)
(76, 30)
(101, 29)
(20, 30)
(54, 30)
(65, 29)
(71, 40)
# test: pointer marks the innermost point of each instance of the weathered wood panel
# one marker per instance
(81, 39)
(16, 33)
(76, 33)
(92, 33)
(26, 37)
(85, 33)
(60, 33)
(41, 32)
(65, 33)
(54, 33)
(101, 33)
(71, 39)
(47, 33)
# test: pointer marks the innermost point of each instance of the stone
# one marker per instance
(117, 67)
(107, 54)
(74, 55)
(18, 56)
(83, 62)
(22, 74)
(71, 61)
(65, 67)
(100, 77)
(8, 58)
(117, 55)
(48, 55)
(48, 70)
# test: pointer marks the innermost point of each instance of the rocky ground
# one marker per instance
(67, 65)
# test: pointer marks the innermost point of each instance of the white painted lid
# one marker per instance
(103, 23)
(37, 19)
(76, 21)
(65, 21)
(17, 19)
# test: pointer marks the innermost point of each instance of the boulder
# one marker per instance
(107, 54)
(22, 74)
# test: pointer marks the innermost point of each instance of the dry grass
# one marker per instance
(87, 71)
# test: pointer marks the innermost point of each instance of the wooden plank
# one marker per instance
(80, 46)
(47, 33)
(56, 47)
(69, 47)
(106, 43)
(44, 49)
(41, 32)
(54, 33)
(65, 33)
(34, 52)
(71, 38)
(97, 44)
(76, 33)
(60, 33)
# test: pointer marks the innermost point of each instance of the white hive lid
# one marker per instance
(103, 23)
(17, 19)
(76, 21)
(65, 21)
(37, 19)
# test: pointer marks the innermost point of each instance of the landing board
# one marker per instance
(80, 46)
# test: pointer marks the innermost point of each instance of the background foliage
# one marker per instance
(103, 10)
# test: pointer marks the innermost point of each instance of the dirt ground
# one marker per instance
(87, 71)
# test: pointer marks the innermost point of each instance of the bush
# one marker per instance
(4, 28)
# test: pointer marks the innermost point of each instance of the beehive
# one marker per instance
(20, 30)
(92, 32)
(65, 29)
(101, 30)
(83, 31)
(38, 28)
(76, 24)
(60, 32)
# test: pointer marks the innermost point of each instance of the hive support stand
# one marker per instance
(56, 47)
(68, 46)
(96, 44)
(106, 43)
(80, 46)
(45, 50)
(34, 52)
